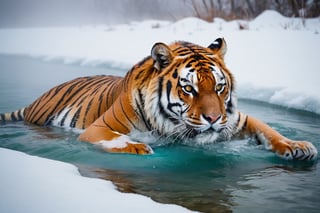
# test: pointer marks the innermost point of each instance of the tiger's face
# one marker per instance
(194, 91)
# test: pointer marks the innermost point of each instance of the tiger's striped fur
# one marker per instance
(76, 103)
(12, 116)
(180, 91)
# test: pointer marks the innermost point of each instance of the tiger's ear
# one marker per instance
(219, 47)
(161, 55)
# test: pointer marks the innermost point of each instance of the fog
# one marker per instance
(41, 13)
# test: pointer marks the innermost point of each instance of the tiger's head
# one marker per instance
(192, 93)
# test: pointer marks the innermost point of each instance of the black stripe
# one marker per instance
(109, 86)
(64, 118)
(169, 87)
(175, 73)
(246, 121)
(188, 65)
(116, 118)
(161, 108)
(177, 48)
(20, 116)
(141, 109)
(49, 121)
(13, 117)
(183, 52)
(104, 121)
(171, 105)
(160, 89)
(132, 124)
(257, 140)
(75, 118)
(111, 90)
(141, 113)
(193, 60)
(113, 98)
(162, 111)
(86, 112)
(141, 102)
(101, 100)
(138, 76)
(230, 105)
(100, 126)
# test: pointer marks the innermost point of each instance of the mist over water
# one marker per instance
(42, 13)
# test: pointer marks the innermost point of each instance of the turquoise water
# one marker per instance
(235, 176)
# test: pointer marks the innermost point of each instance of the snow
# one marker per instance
(275, 59)
(34, 184)
(264, 21)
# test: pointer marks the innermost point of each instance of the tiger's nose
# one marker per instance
(211, 118)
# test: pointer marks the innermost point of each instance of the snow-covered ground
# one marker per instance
(34, 184)
(274, 59)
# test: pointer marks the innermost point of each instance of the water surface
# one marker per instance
(236, 176)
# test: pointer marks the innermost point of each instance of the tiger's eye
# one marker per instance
(218, 87)
(188, 88)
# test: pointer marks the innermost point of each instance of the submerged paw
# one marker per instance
(300, 150)
(138, 148)
(129, 147)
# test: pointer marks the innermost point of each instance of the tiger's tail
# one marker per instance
(12, 116)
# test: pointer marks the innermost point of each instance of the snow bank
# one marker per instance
(276, 59)
(34, 184)
(264, 22)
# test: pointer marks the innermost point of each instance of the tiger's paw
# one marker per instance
(298, 150)
(123, 145)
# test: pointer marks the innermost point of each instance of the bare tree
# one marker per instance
(204, 9)
(239, 9)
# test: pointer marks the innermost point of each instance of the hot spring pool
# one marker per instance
(232, 176)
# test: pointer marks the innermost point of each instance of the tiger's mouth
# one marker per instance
(204, 127)
(194, 131)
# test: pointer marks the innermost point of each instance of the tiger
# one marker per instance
(182, 91)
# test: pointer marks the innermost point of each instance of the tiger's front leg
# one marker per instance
(101, 134)
(274, 141)
(113, 142)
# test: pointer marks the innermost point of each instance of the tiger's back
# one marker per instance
(76, 103)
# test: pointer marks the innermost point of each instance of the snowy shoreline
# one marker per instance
(34, 184)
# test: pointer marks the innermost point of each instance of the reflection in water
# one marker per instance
(160, 189)
(118, 178)
(275, 185)
(247, 191)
